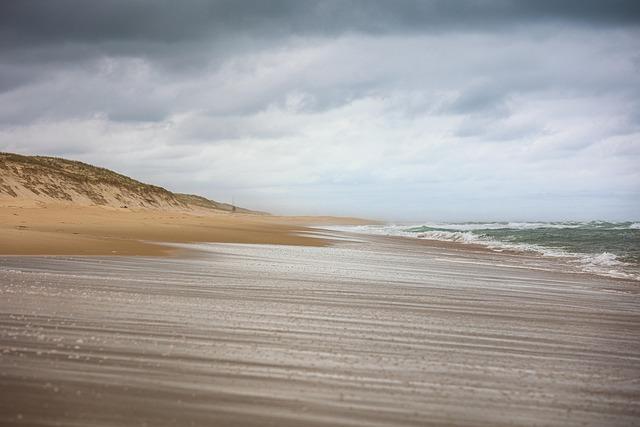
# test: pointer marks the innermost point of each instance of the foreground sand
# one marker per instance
(57, 229)
(382, 332)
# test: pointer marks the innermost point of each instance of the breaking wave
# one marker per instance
(600, 247)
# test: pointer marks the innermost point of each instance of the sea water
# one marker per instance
(609, 248)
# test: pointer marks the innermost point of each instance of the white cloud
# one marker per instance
(401, 126)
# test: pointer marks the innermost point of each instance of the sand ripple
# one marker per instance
(391, 333)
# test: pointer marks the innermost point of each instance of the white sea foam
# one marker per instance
(604, 263)
(471, 226)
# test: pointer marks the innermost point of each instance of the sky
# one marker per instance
(395, 110)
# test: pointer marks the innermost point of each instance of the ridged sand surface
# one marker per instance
(379, 331)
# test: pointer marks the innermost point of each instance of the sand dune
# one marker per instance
(51, 206)
(38, 180)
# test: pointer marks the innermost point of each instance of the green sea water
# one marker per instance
(595, 238)
(600, 247)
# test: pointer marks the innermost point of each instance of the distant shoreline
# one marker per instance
(64, 229)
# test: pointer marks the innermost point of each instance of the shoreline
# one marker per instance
(73, 230)
(574, 262)
(59, 229)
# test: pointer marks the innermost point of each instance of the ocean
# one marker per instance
(600, 247)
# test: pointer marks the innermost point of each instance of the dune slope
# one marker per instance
(51, 179)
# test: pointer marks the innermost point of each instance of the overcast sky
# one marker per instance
(398, 110)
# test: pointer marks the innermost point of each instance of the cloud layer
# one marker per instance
(398, 110)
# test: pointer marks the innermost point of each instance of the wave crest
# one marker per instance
(604, 263)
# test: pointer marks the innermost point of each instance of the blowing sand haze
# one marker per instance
(380, 331)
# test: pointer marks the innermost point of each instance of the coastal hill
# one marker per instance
(53, 206)
(55, 180)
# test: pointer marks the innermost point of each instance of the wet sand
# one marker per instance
(379, 331)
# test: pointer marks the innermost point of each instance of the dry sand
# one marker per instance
(28, 228)
(379, 332)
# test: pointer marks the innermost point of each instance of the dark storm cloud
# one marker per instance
(185, 36)
(33, 22)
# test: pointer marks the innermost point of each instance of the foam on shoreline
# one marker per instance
(604, 262)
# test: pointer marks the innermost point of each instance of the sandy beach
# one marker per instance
(28, 228)
(366, 331)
